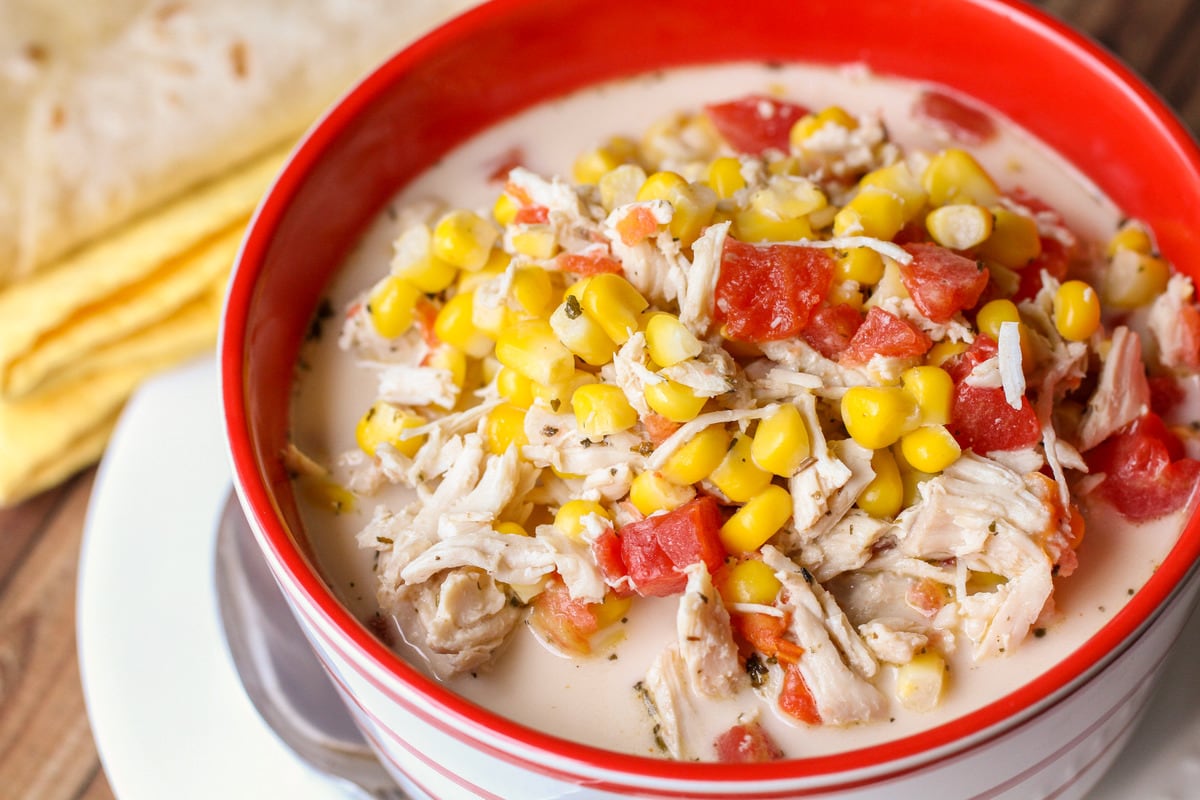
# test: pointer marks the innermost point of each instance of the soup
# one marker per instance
(772, 440)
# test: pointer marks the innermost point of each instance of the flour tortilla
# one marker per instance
(49, 436)
(159, 95)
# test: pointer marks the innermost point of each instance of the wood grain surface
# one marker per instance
(46, 747)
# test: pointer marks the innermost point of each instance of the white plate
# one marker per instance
(167, 710)
(168, 713)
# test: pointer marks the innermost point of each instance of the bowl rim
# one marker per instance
(507, 739)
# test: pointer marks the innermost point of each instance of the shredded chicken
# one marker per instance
(706, 639)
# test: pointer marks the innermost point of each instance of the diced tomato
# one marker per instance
(765, 633)
(926, 596)
(1146, 472)
(769, 293)
(1188, 329)
(796, 698)
(532, 215)
(606, 549)
(962, 122)
(980, 417)
(426, 315)
(565, 622)
(637, 225)
(747, 743)
(831, 328)
(658, 427)
(1165, 394)
(755, 123)
(588, 263)
(941, 281)
(655, 550)
(517, 193)
(1054, 259)
(883, 333)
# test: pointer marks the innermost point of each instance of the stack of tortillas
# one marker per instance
(136, 139)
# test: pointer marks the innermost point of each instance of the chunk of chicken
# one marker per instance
(706, 638)
(991, 520)
(835, 661)
(1122, 393)
(464, 618)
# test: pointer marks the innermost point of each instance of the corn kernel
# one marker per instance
(920, 682)
(413, 260)
(930, 448)
(725, 177)
(694, 205)
(959, 226)
(954, 176)
(491, 319)
(385, 422)
(612, 609)
(933, 389)
(601, 409)
(781, 443)
(754, 225)
(757, 521)
(695, 460)
(455, 324)
(737, 476)
(1131, 236)
(464, 239)
(674, 401)
(581, 333)
(531, 348)
(594, 164)
(788, 197)
(650, 492)
(533, 289)
(331, 495)
(505, 209)
(392, 306)
(1014, 241)
(872, 212)
(569, 517)
(809, 124)
(910, 477)
(898, 180)
(504, 428)
(993, 313)
(669, 341)
(1134, 279)
(535, 240)
(1076, 311)
(620, 186)
(883, 497)
(514, 387)
(750, 581)
(510, 528)
(615, 304)
(943, 351)
(660, 186)
(555, 394)
(449, 358)
(861, 265)
(494, 268)
(877, 416)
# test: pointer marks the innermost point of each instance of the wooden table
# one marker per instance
(46, 746)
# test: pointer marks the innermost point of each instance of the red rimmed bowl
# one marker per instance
(1052, 737)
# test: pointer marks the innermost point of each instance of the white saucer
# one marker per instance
(168, 713)
(167, 710)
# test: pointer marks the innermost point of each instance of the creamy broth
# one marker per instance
(567, 697)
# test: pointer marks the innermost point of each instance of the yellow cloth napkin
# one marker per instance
(77, 338)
